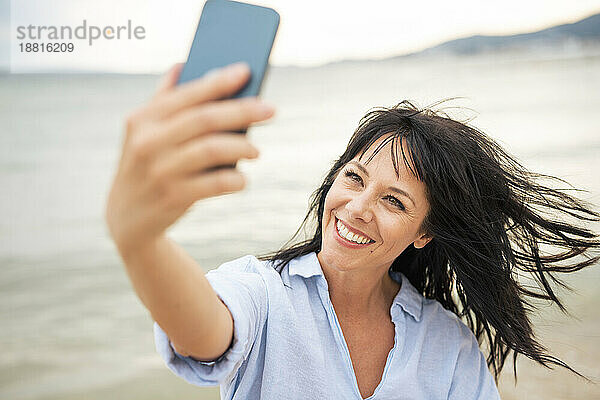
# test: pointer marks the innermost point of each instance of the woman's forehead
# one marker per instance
(380, 156)
(390, 149)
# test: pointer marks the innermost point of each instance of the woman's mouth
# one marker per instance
(348, 238)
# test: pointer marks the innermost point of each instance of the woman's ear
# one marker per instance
(422, 241)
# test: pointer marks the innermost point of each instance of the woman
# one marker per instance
(421, 223)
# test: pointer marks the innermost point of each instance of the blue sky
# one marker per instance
(312, 32)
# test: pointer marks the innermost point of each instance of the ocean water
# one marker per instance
(71, 326)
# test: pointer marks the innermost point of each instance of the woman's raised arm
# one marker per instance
(170, 147)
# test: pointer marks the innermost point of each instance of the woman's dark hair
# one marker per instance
(489, 218)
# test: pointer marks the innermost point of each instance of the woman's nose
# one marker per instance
(360, 207)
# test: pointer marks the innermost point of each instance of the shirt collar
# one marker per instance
(408, 298)
(306, 266)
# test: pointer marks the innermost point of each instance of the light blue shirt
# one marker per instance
(288, 343)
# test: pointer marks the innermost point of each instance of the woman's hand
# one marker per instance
(170, 145)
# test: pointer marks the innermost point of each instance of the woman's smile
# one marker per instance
(350, 237)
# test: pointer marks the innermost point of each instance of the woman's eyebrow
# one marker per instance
(392, 188)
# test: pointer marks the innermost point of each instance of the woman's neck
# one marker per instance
(361, 294)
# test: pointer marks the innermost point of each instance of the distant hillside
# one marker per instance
(585, 31)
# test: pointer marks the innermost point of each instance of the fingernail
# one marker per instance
(265, 109)
(236, 70)
(211, 72)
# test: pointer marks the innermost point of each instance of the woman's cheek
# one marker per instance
(334, 197)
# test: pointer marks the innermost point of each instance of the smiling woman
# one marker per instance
(422, 231)
(422, 227)
(469, 222)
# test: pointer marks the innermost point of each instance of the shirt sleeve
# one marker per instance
(472, 379)
(243, 290)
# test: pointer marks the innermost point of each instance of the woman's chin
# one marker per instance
(339, 259)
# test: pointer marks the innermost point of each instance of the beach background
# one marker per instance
(71, 326)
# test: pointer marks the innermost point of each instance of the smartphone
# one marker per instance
(228, 32)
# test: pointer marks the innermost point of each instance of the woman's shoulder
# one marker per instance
(246, 265)
(445, 321)
(424, 310)
(431, 318)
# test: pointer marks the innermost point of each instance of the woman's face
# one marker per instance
(370, 215)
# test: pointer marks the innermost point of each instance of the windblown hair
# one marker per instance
(487, 218)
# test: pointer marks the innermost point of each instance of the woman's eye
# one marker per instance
(354, 176)
(396, 202)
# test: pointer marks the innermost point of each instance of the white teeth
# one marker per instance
(344, 232)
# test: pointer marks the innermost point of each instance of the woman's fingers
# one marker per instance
(209, 184)
(218, 84)
(225, 115)
(203, 153)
